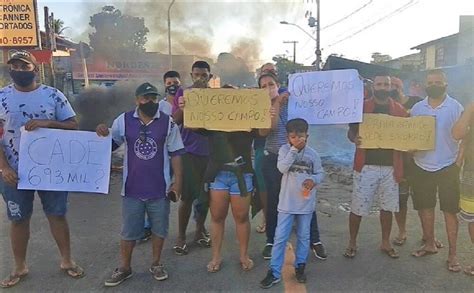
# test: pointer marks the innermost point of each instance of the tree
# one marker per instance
(285, 67)
(117, 33)
(58, 26)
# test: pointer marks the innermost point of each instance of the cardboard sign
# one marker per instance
(326, 97)
(64, 160)
(403, 134)
(18, 24)
(227, 109)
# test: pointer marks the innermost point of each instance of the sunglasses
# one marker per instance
(143, 131)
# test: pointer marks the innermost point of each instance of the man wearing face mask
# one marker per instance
(172, 82)
(32, 105)
(194, 166)
(377, 173)
(404, 187)
(436, 172)
(152, 142)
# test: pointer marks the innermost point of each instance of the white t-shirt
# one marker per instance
(446, 147)
(17, 108)
(165, 107)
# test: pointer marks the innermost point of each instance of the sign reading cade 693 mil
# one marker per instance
(18, 25)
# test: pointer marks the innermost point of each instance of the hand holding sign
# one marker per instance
(52, 159)
(226, 109)
(326, 97)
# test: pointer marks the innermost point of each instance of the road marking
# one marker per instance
(288, 272)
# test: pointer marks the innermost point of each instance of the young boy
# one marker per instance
(151, 138)
(302, 171)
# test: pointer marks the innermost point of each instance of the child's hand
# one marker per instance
(309, 184)
(301, 143)
(181, 102)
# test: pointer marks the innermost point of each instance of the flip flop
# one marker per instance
(204, 241)
(75, 272)
(391, 253)
(213, 267)
(12, 280)
(438, 243)
(261, 228)
(453, 267)
(180, 250)
(399, 241)
(422, 252)
(247, 266)
(350, 252)
(469, 270)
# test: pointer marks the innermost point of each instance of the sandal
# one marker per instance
(391, 253)
(75, 272)
(12, 280)
(350, 252)
(469, 270)
(261, 228)
(438, 243)
(423, 252)
(247, 266)
(399, 241)
(204, 241)
(453, 267)
(180, 250)
(213, 267)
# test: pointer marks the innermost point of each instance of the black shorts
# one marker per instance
(404, 191)
(444, 182)
(194, 168)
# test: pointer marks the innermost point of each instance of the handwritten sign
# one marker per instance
(227, 109)
(52, 159)
(326, 97)
(18, 25)
(403, 134)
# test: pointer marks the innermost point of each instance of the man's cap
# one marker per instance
(24, 56)
(146, 89)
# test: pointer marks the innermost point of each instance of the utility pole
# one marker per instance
(170, 57)
(294, 49)
(318, 37)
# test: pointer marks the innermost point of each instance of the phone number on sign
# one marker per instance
(16, 41)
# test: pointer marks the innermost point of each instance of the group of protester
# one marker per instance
(208, 170)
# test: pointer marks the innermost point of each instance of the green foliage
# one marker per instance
(117, 33)
(286, 67)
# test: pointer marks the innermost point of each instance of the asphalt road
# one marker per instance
(95, 226)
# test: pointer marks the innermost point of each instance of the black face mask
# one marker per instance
(434, 91)
(382, 94)
(149, 109)
(395, 94)
(171, 90)
(22, 78)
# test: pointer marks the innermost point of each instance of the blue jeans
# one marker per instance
(272, 178)
(282, 234)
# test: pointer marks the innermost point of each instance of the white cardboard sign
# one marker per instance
(326, 97)
(64, 160)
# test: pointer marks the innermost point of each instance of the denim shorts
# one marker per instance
(133, 217)
(19, 203)
(226, 180)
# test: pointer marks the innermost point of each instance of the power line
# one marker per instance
(349, 15)
(396, 11)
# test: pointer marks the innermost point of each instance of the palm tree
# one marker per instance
(58, 26)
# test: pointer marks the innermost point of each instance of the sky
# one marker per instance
(389, 27)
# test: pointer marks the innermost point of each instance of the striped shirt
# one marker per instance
(278, 137)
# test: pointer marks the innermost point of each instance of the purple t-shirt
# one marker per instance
(146, 172)
(194, 143)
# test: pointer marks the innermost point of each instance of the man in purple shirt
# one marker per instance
(194, 166)
(151, 138)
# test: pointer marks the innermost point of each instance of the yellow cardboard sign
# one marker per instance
(398, 133)
(18, 25)
(227, 109)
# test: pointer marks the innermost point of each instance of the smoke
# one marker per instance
(196, 26)
(96, 105)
